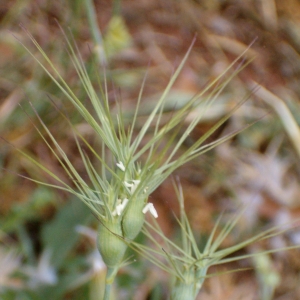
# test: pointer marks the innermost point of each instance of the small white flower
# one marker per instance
(121, 166)
(120, 207)
(150, 207)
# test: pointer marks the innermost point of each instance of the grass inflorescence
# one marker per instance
(130, 169)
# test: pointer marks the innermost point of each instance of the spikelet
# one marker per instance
(110, 243)
(133, 219)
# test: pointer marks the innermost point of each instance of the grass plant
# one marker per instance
(130, 169)
(186, 263)
(112, 154)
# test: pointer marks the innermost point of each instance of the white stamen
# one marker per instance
(121, 166)
(132, 186)
(150, 207)
(135, 185)
(120, 207)
(136, 182)
(128, 184)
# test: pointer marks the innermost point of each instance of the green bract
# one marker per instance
(110, 243)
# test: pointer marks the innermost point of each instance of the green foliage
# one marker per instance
(60, 235)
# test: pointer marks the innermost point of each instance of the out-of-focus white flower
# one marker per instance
(43, 273)
(268, 174)
(90, 233)
(9, 263)
(94, 259)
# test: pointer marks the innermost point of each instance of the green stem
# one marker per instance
(109, 280)
(107, 292)
(189, 287)
(96, 33)
(183, 291)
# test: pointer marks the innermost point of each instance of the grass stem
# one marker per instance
(107, 291)
(109, 280)
(96, 33)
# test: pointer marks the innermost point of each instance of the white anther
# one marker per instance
(120, 207)
(135, 185)
(132, 186)
(136, 182)
(128, 184)
(121, 166)
(150, 207)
